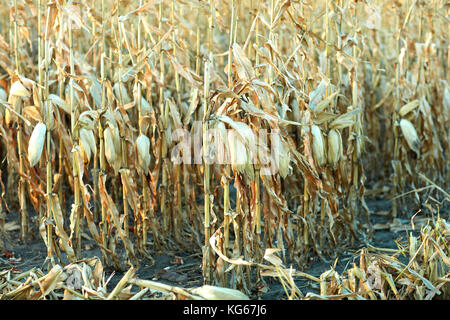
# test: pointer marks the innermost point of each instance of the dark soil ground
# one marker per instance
(189, 274)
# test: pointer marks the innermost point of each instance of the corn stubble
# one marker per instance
(91, 93)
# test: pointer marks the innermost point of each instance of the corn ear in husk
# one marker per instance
(219, 293)
(110, 150)
(238, 152)
(88, 144)
(3, 97)
(36, 144)
(143, 151)
(410, 134)
(318, 146)
(334, 147)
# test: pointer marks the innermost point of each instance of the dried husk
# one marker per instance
(410, 134)
(88, 143)
(345, 120)
(120, 91)
(238, 152)
(408, 107)
(18, 90)
(146, 108)
(59, 102)
(334, 147)
(282, 153)
(36, 143)
(143, 151)
(3, 97)
(110, 150)
(318, 146)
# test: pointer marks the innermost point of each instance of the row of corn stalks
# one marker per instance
(94, 93)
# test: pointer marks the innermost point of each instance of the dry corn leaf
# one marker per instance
(408, 107)
(18, 90)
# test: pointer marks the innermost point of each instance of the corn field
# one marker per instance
(250, 132)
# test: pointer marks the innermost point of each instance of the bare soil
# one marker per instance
(167, 268)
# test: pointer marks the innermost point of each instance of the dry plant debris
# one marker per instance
(378, 276)
(234, 129)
